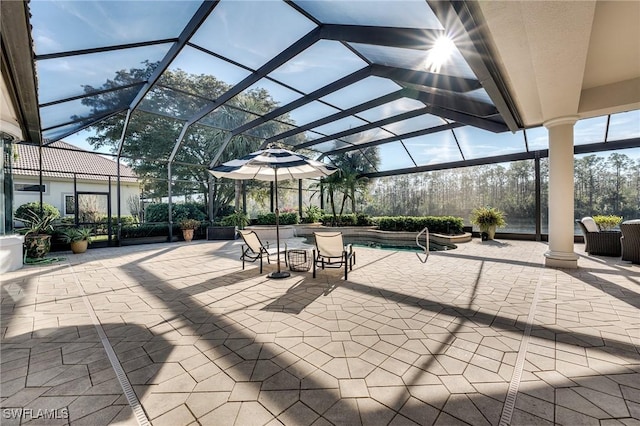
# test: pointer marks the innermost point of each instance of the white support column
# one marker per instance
(561, 193)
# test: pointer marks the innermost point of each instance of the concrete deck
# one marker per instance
(178, 334)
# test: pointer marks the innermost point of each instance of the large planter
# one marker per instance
(37, 246)
(490, 231)
(187, 234)
(11, 252)
(221, 233)
(78, 247)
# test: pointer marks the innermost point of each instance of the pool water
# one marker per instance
(398, 246)
(433, 246)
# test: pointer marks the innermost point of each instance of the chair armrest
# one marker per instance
(348, 248)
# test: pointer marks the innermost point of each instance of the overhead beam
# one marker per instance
(455, 103)
(84, 126)
(18, 67)
(423, 78)
(337, 116)
(544, 153)
(486, 123)
(395, 138)
(267, 68)
(400, 117)
(192, 26)
(313, 96)
(88, 95)
(79, 52)
(408, 38)
(460, 21)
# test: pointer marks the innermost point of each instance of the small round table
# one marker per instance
(299, 260)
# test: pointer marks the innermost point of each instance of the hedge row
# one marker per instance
(159, 212)
(126, 220)
(350, 219)
(437, 224)
(156, 230)
(270, 219)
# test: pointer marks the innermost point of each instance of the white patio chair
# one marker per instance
(331, 252)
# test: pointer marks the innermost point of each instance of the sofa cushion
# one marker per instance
(590, 224)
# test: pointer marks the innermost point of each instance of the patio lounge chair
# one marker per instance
(331, 252)
(253, 249)
(631, 240)
(603, 243)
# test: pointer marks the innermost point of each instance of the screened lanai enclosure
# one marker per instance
(381, 89)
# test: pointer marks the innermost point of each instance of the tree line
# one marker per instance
(603, 185)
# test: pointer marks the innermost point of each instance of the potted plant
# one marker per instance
(78, 238)
(227, 227)
(188, 226)
(488, 219)
(312, 214)
(238, 219)
(37, 232)
(607, 223)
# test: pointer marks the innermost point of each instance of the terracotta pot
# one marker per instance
(79, 246)
(37, 246)
(187, 234)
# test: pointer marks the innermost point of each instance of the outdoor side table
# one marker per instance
(299, 260)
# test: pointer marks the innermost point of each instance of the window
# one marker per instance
(69, 205)
(29, 187)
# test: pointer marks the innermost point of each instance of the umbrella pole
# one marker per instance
(278, 274)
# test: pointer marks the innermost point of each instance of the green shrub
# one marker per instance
(288, 218)
(238, 218)
(72, 235)
(312, 214)
(159, 212)
(147, 230)
(436, 224)
(350, 219)
(34, 207)
(126, 220)
(363, 220)
(225, 211)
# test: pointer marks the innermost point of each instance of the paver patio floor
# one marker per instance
(478, 335)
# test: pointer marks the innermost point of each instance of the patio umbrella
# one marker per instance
(272, 164)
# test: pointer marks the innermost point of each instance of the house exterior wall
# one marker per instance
(56, 189)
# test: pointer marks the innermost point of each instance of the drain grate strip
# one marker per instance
(129, 393)
(514, 385)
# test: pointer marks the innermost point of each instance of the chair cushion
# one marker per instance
(329, 244)
(590, 224)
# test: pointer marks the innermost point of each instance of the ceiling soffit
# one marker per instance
(567, 58)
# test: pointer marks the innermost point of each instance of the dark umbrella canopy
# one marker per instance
(272, 164)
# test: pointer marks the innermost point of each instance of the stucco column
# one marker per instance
(561, 194)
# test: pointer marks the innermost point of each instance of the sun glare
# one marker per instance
(439, 53)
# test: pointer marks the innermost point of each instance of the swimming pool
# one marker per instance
(395, 245)
(433, 246)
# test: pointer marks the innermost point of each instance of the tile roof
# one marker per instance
(61, 159)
